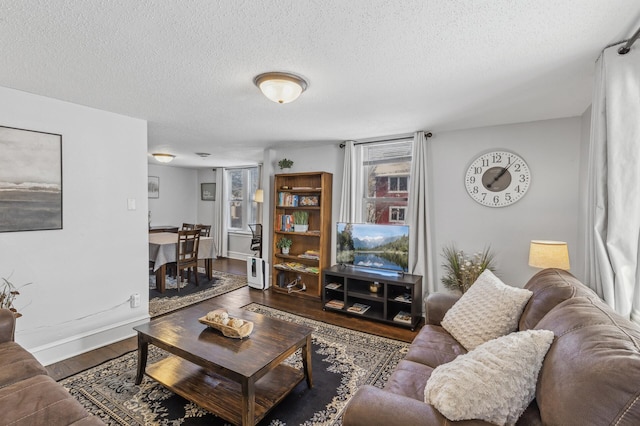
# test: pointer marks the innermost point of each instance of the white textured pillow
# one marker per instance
(489, 309)
(495, 382)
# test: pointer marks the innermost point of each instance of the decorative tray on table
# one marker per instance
(230, 327)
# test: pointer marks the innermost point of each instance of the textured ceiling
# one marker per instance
(375, 68)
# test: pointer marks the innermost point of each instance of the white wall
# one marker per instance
(179, 192)
(83, 275)
(205, 208)
(548, 211)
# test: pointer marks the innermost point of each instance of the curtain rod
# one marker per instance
(427, 135)
(627, 47)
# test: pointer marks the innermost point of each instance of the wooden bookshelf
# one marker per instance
(311, 250)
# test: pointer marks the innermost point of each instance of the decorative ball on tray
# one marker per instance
(230, 327)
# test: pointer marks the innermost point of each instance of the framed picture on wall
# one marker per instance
(30, 180)
(208, 191)
(153, 187)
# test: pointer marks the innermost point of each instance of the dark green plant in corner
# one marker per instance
(8, 293)
(285, 164)
(462, 270)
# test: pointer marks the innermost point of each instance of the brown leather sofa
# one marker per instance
(590, 376)
(28, 395)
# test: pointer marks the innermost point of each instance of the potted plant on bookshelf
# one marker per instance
(300, 221)
(284, 244)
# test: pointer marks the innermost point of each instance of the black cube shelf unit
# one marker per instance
(391, 298)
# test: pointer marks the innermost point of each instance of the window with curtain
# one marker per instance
(243, 209)
(385, 175)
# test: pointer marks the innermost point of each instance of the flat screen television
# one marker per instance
(376, 247)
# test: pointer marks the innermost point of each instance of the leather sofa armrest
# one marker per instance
(436, 306)
(371, 406)
(7, 325)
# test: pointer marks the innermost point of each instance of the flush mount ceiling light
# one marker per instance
(281, 87)
(163, 158)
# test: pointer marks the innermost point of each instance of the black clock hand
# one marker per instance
(504, 170)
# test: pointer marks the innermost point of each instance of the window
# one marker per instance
(242, 185)
(384, 175)
(397, 214)
(399, 184)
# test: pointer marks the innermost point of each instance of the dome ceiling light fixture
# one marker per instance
(163, 158)
(281, 87)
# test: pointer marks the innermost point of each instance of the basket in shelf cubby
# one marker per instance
(311, 250)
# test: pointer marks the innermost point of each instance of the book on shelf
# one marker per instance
(335, 304)
(406, 297)
(299, 267)
(404, 317)
(358, 308)
(286, 222)
(310, 254)
(287, 200)
(333, 286)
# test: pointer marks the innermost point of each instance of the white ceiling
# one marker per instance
(375, 67)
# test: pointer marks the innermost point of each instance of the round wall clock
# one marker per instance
(497, 178)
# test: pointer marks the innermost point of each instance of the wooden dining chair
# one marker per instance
(188, 226)
(187, 254)
(205, 230)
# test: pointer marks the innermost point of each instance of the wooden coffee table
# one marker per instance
(238, 380)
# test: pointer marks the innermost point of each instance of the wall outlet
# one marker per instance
(135, 300)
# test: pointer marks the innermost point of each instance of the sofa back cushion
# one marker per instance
(592, 370)
(550, 287)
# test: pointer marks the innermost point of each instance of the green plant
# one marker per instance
(8, 293)
(462, 270)
(284, 242)
(300, 217)
(285, 163)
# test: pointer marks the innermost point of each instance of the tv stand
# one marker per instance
(371, 295)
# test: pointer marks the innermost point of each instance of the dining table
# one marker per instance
(163, 250)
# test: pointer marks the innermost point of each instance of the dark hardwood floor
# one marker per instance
(238, 298)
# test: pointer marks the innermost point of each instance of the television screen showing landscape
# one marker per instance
(373, 246)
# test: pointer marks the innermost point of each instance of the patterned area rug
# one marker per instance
(221, 283)
(342, 361)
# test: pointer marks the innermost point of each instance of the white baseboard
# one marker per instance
(81, 343)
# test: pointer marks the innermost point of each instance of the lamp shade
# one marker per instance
(163, 158)
(549, 254)
(259, 196)
(280, 87)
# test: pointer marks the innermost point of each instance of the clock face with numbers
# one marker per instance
(497, 178)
